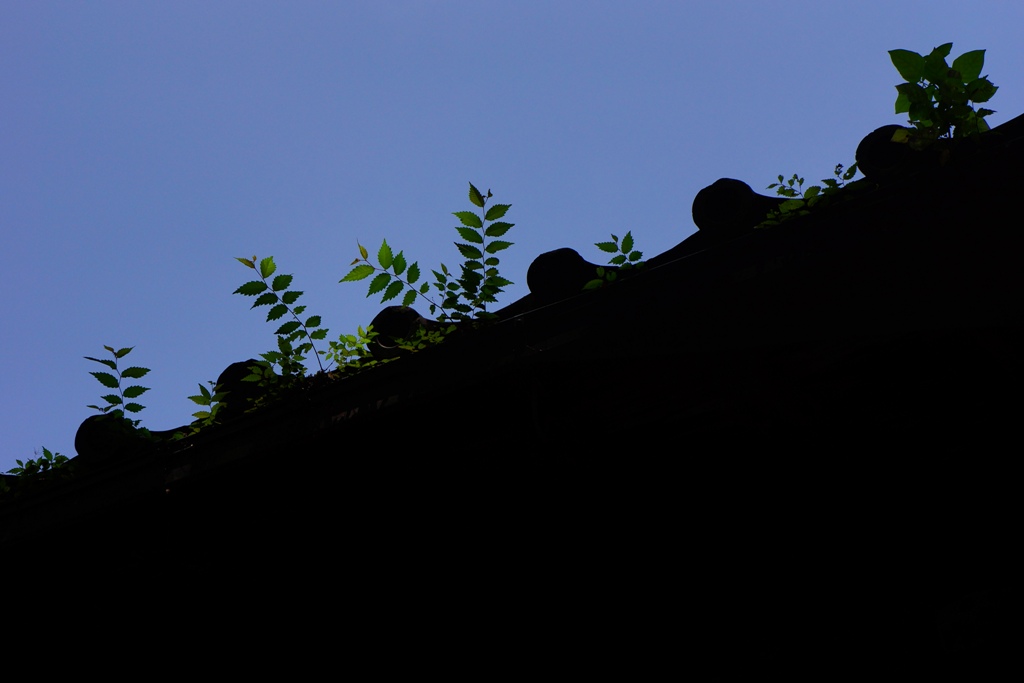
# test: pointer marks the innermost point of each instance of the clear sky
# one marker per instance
(145, 145)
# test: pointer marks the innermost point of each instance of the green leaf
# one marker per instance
(475, 196)
(470, 252)
(121, 353)
(500, 282)
(358, 273)
(498, 229)
(106, 379)
(378, 283)
(288, 327)
(267, 267)
(362, 251)
(135, 391)
(470, 235)
(909, 64)
(251, 288)
(970, 64)
(496, 212)
(627, 243)
(981, 90)
(106, 361)
(393, 290)
(297, 311)
(112, 399)
(635, 256)
(399, 263)
(610, 247)
(134, 372)
(289, 298)
(618, 260)
(469, 219)
(246, 262)
(425, 288)
(133, 407)
(496, 246)
(319, 334)
(282, 282)
(384, 255)
(265, 299)
(409, 298)
(414, 273)
(313, 321)
(276, 312)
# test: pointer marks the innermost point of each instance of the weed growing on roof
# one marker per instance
(295, 338)
(116, 404)
(799, 201)
(464, 297)
(938, 97)
(626, 258)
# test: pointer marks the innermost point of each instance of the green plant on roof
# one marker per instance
(462, 297)
(939, 98)
(799, 201)
(626, 258)
(39, 465)
(295, 338)
(117, 404)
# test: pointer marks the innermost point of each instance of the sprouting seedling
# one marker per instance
(464, 297)
(276, 295)
(626, 258)
(116, 403)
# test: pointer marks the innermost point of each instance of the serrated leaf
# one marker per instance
(318, 334)
(290, 297)
(106, 379)
(496, 212)
(635, 256)
(282, 282)
(469, 219)
(358, 273)
(498, 229)
(409, 298)
(496, 246)
(627, 243)
(399, 263)
(500, 282)
(618, 260)
(265, 299)
(469, 252)
(393, 290)
(135, 391)
(267, 267)
(298, 310)
(378, 283)
(133, 407)
(134, 372)
(384, 255)
(276, 312)
(112, 399)
(246, 262)
(475, 196)
(362, 251)
(414, 273)
(473, 265)
(609, 247)
(425, 288)
(201, 415)
(106, 361)
(121, 353)
(251, 288)
(288, 327)
(470, 235)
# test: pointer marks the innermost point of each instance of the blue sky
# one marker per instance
(145, 145)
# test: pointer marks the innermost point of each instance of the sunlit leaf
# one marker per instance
(267, 267)
(496, 212)
(469, 219)
(358, 273)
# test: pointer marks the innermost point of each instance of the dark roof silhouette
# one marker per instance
(788, 437)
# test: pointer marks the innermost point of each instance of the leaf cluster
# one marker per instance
(40, 465)
(938, 97)
(351, 352)
(462, 297)
(295, 338)
(626, 258)
(213, 400)
(799, 201)
(116, 404)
